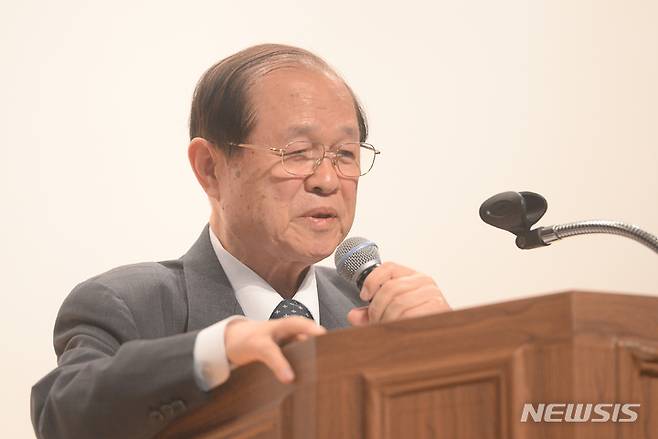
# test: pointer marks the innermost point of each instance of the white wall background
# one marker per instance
(465, 98)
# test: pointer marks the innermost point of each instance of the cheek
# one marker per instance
(247, 202)
(277, 201)
(349, 189)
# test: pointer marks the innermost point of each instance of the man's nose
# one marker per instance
(325, 178)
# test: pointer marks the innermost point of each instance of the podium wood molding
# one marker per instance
(463, 374)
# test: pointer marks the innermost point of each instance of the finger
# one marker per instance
(419, 310)
(429, 297)
(293, 338)
(393, 289)
(376, 279)
(403, 284)
(380, 275)
(273, 358)
(404, 300)
(358, 316)
(301, 337)
(432, 306)
(291, 326)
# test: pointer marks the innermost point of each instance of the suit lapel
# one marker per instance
(334, 304)
(210, 296)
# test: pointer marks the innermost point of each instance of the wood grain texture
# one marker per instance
(464, 374)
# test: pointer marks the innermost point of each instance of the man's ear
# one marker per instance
(204, 158)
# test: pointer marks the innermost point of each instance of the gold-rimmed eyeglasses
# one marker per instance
(302, 158)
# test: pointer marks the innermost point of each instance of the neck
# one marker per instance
(283, 276)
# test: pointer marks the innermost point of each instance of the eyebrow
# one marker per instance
(304, 129)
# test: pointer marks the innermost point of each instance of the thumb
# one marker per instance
(358, 316)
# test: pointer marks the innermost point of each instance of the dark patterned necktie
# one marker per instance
(289, 308)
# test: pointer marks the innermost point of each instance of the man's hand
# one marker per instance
(247, 341)
(397, 292)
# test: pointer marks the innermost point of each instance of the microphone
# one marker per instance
(517, 212)
(355, 258)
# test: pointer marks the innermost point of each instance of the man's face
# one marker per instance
(264, 208)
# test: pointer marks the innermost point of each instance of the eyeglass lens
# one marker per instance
(351, 159)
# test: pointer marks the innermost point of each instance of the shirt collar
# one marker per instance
(256, 297)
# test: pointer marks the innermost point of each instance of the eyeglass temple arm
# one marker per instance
(258, 147)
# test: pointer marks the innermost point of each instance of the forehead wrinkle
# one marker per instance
(348, 130)
(300, 129)
(308, 128)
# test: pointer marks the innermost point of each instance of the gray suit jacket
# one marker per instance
(124, 342)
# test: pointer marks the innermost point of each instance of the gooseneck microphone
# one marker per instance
(355, 258)
(517, 212)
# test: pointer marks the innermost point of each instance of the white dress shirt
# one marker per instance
(257, 299)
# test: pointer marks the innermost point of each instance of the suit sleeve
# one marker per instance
(109, 383)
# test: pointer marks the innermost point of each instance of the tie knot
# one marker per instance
(289, 308)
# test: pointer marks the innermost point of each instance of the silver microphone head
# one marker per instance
(355, 255)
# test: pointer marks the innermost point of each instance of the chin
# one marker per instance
(321, 248)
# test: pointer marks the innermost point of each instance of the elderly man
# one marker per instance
(277, 143)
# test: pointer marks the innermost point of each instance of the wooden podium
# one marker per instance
(464, 374)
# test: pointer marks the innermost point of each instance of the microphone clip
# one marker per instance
(517, 212)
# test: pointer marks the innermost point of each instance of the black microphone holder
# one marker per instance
(517, 212)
